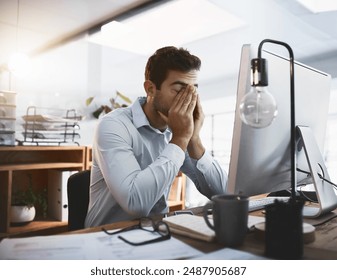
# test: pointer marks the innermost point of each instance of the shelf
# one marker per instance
(42, 227)
(36, 166)
(17, 161)
(44, 148)
(176, 205)
(31, 154)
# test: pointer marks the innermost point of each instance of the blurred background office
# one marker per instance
(86, 50)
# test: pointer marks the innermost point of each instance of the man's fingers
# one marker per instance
(186, 98)
(179, 98)
(193, 102)
(198, 109)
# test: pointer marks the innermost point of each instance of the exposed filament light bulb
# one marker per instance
(258, 107)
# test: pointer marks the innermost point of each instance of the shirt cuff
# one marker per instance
(205, 162)
(174, 153)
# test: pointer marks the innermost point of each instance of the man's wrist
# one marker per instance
(195, 148)
(181, 142)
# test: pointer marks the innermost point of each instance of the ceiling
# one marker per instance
(36, 26)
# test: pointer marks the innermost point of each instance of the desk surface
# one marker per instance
(324, 247)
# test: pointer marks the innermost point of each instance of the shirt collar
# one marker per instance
(139, 118)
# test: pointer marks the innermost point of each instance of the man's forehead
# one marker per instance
(182, 83)
(182, 78)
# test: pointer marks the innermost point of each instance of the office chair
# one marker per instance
(78, 199)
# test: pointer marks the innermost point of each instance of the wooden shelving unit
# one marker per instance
(176, 200)
(17, 161)
(88, 157)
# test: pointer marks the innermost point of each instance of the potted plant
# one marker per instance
(23, 204)
(104, 109)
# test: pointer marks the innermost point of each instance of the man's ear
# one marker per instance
(150, 88)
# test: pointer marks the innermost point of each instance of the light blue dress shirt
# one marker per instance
(134, 166)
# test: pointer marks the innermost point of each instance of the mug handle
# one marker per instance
(209, 205)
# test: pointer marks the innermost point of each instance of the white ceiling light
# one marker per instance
(318, 6)
(174, 23)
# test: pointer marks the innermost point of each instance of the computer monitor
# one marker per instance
(260, 158)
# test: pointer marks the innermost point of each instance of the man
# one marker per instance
(138, 151)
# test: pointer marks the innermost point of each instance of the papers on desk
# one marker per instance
(94, 246)
(229, 254)
(100, 246)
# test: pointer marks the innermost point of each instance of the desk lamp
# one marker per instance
(258, 109)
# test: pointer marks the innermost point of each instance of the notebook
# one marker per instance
(195, 226)
(191, 226)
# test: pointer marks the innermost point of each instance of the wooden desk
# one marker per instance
(323, 248)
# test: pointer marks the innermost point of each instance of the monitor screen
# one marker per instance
(260, 158)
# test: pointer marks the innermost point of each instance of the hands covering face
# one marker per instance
(185, 117)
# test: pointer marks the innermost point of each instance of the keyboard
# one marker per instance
(257, 204)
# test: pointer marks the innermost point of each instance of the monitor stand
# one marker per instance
(326, 196)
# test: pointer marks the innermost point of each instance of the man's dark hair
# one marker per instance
(169, 58)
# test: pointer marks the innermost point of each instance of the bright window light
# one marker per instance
(19, 64)
(319, 6)
(174, 23)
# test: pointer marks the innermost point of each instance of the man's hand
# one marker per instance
(180, 117)
(195, 147)
(198, 116)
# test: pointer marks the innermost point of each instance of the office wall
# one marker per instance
(64, 77)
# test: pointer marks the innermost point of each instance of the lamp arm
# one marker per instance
(292, 110)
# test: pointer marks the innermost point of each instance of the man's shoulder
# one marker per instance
(117, 120)
(119, 115)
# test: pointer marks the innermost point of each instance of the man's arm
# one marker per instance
(136, 186)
